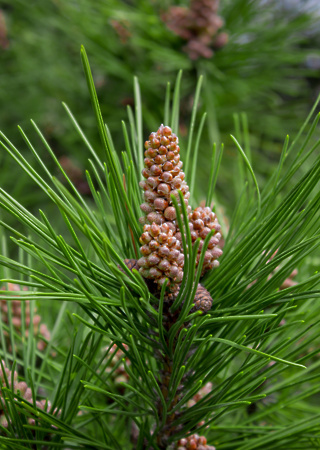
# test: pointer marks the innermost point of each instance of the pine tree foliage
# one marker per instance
(251, 363)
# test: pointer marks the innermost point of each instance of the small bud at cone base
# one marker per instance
(202, 300)
(20, 388)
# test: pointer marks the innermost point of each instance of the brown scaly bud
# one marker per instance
(163, 177)
(202, 300)
(201, 222)
(162, 256)
(20, 388)
(193, 442)
(39, 329)
(131, 264)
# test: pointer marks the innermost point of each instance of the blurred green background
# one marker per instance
(262, 59)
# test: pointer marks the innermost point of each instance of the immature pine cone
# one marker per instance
(39, 330)
(162, 256)
(201, 222)
(162, 247)
(193, 442)
(206, 389)
(164, 177)
(199, 25)
(18, 387)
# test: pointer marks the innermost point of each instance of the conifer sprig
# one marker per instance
(252, 348)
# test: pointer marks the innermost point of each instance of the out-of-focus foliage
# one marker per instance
(263, 70)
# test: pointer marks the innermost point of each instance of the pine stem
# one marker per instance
(167, 430)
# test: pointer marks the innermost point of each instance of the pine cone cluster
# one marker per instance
(161, 250)
(20, 388)
(201, 221)
(162, 256)
(199, 26)
(162, 253)
(39, 329)
(193, 442)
